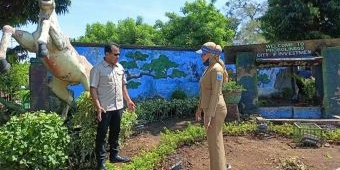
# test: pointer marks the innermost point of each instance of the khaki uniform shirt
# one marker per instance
(109, 80)
(211, 96)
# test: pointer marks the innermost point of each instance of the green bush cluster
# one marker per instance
(310, 91)
(178, 94)
(158, 109)
(232, 86)
(84, 128)
(34, 141)
(287, 93)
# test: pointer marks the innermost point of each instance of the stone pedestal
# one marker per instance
(38, 86)
(233, 113)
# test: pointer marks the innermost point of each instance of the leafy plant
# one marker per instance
(158, 109)
(285, 129)
(83, 132)
(332, 135)
(12, 81)
(287, 93)
(309, 89)
(262, 102)
(232, 86)
(129, 120)
(34, 141)
(84, 128)
(238, 128)
(8, 110)
(178, 94)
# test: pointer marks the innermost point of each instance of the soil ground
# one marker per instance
(242, 152)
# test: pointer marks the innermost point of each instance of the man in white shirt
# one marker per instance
(108, 89)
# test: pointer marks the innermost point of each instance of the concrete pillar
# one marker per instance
(246, 72)
(317, 73)
(38, 86)
(331, 80)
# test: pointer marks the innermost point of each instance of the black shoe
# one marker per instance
(118, 158)
(102, 167)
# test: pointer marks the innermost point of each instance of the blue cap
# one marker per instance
(205, 50)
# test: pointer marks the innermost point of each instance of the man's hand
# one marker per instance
(207, 123)
(198, 114)
(100, 110)
(131, 106)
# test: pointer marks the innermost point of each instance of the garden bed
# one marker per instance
(243, 152)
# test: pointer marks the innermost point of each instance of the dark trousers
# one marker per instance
(110, 119)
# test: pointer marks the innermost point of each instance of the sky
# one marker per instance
(81, 13)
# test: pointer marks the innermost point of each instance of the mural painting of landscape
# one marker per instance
(158, 72)
(153, 72)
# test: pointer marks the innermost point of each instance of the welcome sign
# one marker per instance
(282, 51)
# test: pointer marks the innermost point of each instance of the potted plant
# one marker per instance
(232, 92)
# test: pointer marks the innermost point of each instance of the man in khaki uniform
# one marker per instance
(108, 89)
(212, 103)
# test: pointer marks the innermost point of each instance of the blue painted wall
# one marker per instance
(185, 62)
(150, 83)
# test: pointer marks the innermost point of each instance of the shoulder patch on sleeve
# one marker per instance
(219, 77)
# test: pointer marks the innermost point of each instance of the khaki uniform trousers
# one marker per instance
(215, 139)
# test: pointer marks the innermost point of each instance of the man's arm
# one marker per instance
(95, 100)
(94, 96)
(130, 104)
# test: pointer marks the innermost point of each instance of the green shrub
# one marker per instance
(310, 92)
(158, 109)
(129, 120)
(178, 94)
(232, 86)
(84, 129)
(34, 141)
(287, 93)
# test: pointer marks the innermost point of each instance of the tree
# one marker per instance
(100, 33)
(301, 20)
(12, 82)
(244, 18)
(159, 68)
(201, 22)
(127, 31)
(18, 13)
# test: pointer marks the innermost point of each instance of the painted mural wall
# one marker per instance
(273, 80)
(154, 72)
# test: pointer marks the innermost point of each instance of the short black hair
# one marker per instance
(107, 48)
